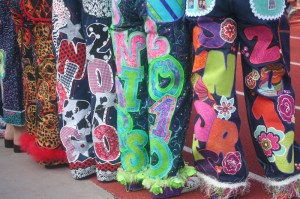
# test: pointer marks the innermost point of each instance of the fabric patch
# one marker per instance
(286, 108)
(228, 30)
(232, 163)
(269, 140)
(226, 108)
(98, 8)
(268, 9)
(165, 10)
(195, 8)
(2, 64)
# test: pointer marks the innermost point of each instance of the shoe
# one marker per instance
(17, 149)
(134, 187)
(192, 184)
(8, 143)
(56, 166)
(217, 196)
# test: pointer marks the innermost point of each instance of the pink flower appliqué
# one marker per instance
(232, 163)
(286, 108)
(228, 30)
(269, 143)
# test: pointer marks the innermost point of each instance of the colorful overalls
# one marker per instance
(32, 19)
(261, 32)
(85, 87)
(152, 45)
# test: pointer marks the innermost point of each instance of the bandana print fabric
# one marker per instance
(11, 70)
(269, 96)
(85, 87)
(33, 30)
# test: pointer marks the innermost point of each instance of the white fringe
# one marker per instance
(270, 182)
(288, 188)
(212, 186)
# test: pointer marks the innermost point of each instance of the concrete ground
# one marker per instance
(22, 178)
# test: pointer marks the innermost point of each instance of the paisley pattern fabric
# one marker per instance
(86, 88)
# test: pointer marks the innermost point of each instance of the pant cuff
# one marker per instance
(288, 188)
(224, 190)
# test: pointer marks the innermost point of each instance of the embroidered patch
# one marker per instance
(226, 108)
(165, 10)
(228, 31)
(268, 9)
(232, 163)
(269, 140)
(286, 108)
(98, 8)
(195, 8)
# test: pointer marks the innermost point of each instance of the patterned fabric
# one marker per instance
(10, 69)
(264, 47)
(266, 10)
(153, 68)
(32, 20)
(85, 86)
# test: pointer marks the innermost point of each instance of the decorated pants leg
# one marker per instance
(101, 69)
(11, 70)
(129, 41)
(87, 99)
(74, 106)
(216, 146)
(270, 101)
(42, 140)
(167, 97)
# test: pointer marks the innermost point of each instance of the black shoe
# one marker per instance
(8, 143)
(56, 166)
(17, 149)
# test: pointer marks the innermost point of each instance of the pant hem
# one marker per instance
(224, 190)
(287, 188)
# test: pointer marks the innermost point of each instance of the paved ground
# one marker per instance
(22, 178)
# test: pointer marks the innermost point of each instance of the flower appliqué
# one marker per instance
(228, 30)
(269, 140)
(286, 108)
(226, 108)
(251, 78)
(232, 163)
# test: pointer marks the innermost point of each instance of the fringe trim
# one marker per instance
(224, 190)
(287, 188)
(42, 155)
(157, 185)
(129, 177)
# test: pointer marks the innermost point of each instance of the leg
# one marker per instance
(101, 69)
(217, 147)
(270, 101)
(168, 47)
(74, 107)
(129, 41)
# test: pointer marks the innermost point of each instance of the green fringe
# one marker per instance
(156, 185)
(129, 177)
